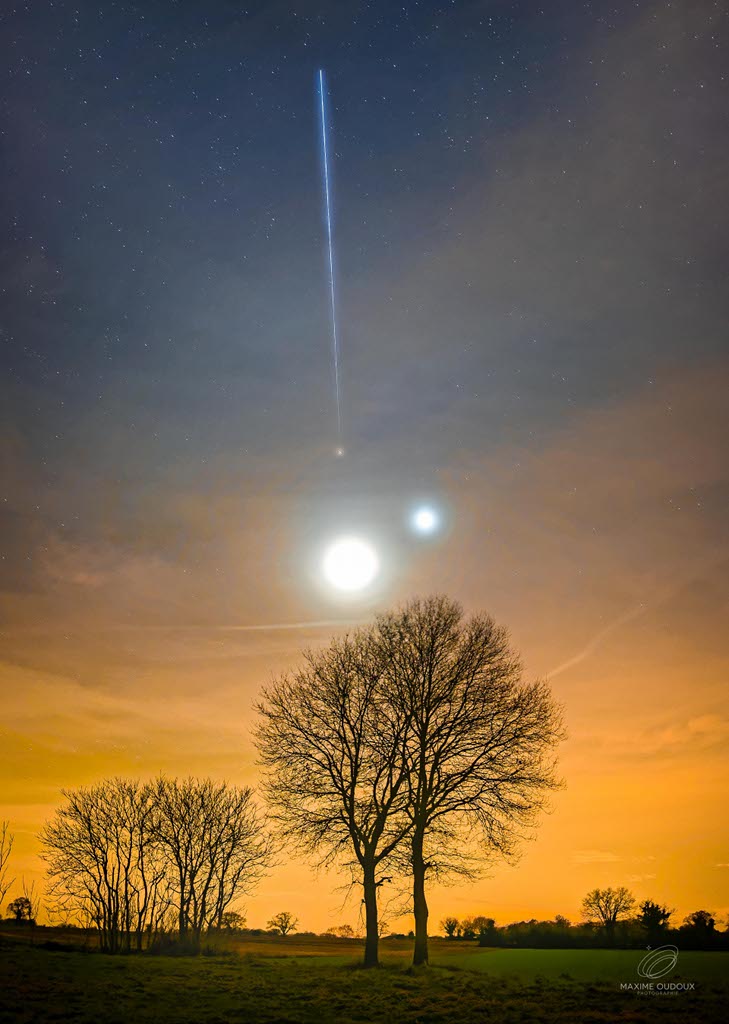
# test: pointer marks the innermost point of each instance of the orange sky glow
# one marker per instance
(597, 545)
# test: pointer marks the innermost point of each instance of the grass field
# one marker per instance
(312, 981)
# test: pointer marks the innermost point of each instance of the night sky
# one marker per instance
(530, 215)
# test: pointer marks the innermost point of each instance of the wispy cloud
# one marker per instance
(594, 857)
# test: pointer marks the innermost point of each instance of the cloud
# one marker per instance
(102, 565)
(594, 857)
(702, 732)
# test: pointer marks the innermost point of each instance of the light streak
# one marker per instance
(330, 246)
(697, 572)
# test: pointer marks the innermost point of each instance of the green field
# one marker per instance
(585, 965)
(318, 981)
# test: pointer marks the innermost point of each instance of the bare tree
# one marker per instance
(477, 927)
(121, 855)
(468, 928)
(31, 895)
(341, 931)
(233, 920)
(214, 848)
(60, 914)
(335, 774)
(701, 921)
(283, 923)
(654, 919)
(6, 848)
(608, 905)
(102, 863)
(479, 746)
(450, 926)
(21, 909)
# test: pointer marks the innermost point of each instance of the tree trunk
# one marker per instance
(420, 905)
(371, 958)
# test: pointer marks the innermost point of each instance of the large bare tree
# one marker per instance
(214, 848)
(479, 747)
(335, 772)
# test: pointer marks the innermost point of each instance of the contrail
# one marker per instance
(332, 300)
(274, 626)
(698, 571)
(263, 627)
(594, 643)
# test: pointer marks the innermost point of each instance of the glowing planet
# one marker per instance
(424, 519)
(350, 564)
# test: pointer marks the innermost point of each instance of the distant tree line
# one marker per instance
(139, 861)
(609, 921)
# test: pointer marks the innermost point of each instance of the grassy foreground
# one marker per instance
(39, 985)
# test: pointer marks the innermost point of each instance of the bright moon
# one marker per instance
(425, 520)
(350, 564)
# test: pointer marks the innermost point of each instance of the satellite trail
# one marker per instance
(330, 246)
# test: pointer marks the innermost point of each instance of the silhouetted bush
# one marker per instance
(561, 934)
